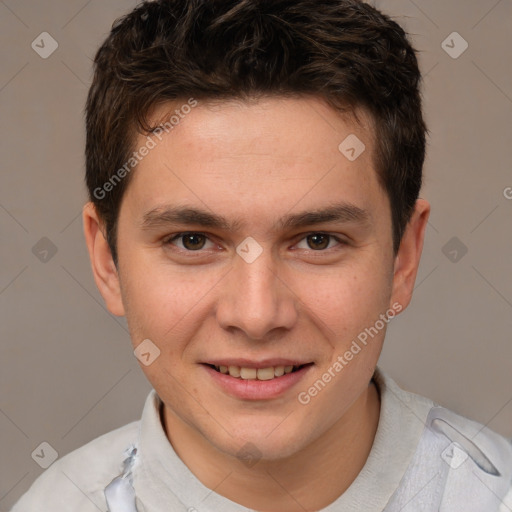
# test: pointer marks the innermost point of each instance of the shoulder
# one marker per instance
(489, 449)
(466, 465)
(443, 423)
(76, 481)
(475, 462)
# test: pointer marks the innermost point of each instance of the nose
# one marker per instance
(256, 299)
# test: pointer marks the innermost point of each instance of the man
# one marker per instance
(254, 170)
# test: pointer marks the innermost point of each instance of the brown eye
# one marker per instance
(318, 241)
(193, 241)
(190, 241)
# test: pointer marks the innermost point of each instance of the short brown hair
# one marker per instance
(344, 51)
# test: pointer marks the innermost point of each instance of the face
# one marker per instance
(249, 243)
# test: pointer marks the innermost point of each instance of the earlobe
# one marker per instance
(103, 268)
(408, 257)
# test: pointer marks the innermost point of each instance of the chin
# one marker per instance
(262, 440)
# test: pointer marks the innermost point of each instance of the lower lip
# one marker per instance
(257, 389)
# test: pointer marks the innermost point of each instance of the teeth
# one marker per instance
(234, 371)
(265, 373)
(256, 373)
(248, 373)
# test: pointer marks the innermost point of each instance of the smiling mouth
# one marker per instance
(269, 373)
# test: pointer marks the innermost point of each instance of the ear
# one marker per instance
(408, 257)
(103, 267)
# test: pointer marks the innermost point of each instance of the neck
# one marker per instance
(308, 480)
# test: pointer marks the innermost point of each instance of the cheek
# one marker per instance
(162, 304)
(351, 299)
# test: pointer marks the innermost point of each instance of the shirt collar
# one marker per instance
(161, 478)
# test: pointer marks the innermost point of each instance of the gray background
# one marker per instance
(67, 371)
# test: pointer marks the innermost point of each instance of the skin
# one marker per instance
(257, 162)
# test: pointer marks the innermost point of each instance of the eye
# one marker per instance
(189, 241)
(319, 241)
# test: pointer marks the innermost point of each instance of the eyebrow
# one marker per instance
(341, 213)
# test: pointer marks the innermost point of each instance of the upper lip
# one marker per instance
(264, 363)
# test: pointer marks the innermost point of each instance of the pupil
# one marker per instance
(193, 241)
(317, 240)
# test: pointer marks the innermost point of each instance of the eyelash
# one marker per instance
(177, 236)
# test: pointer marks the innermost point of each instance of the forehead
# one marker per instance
(272, 153)
(282, 126)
